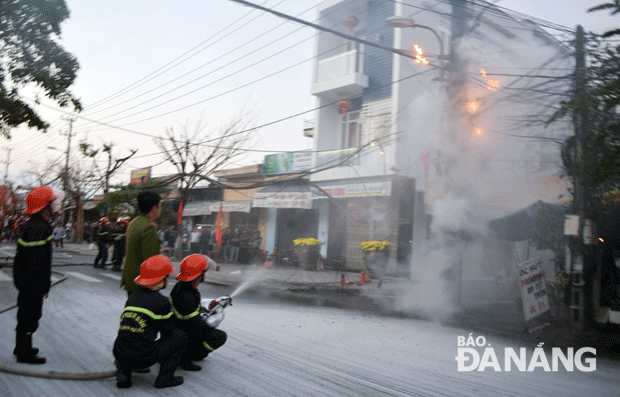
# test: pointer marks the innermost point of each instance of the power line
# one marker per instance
(155, 73)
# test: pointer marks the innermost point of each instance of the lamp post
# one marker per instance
(404, 22)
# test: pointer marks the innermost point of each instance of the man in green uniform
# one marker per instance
(142, 239)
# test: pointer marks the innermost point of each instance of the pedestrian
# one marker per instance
(256, 242)
(32, 271)
(142, 238)
(103, 242)
(171, 239)
(148, 313)
(69, 232)
(118, 238)
(194, 242)
(226, 247)
(185, 298)
(59, 235)
(235, 242)
(205, 241)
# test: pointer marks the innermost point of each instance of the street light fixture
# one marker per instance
(403, 22)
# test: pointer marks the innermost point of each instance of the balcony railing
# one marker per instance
(338, 158)
(340, 65)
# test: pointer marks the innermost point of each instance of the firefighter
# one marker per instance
(32, 271)
(185, 299)
(103, 241)
(147, 313)
(118, 238)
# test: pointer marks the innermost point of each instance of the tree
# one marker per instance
(614, 6)
(123, 200)
(196, 154)
(32, 57)
(113, 164)
(79, 184)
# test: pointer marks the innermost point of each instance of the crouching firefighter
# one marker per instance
(185, 299)
(32, 271)
(147, 313)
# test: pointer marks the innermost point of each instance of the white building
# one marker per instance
(411, 150)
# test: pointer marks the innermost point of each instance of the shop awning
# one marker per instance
(198, 208)
(295, 194)
(232, 206)
(517, 226)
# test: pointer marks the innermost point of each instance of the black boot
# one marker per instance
(190, 366)
(24, 350)
(123, 376)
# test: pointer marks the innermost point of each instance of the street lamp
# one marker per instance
(403, 22)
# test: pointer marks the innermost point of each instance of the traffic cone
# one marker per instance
(363, 279)
(343, 280)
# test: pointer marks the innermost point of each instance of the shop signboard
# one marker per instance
(287, 163)
(302, 200)
(140, 175)
(533, 288)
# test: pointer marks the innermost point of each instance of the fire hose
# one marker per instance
(50, 374)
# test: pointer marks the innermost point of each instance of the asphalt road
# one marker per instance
(278, 349)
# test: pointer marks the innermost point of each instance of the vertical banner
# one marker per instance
(533, 288)
(180, 215)
(218, 227)
(425, 160)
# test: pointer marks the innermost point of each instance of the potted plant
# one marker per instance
(376, 255)
(307, 249)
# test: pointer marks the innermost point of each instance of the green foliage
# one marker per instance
(30, 55)
(123, 201)
(598, 167)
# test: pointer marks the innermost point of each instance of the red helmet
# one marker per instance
(103, 220)
(192, 267)
(154, 269)
(38, 198)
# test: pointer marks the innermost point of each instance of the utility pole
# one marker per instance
(582, 250)
(6, 170)
(65, 176)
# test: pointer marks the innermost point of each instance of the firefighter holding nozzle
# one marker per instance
(147, 313)
(204, 338)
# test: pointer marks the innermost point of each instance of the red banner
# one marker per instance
(180, 216)
(218, 227)
(425, 160)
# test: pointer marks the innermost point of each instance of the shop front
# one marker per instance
(360, 210)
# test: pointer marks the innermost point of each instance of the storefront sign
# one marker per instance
(140, 175)
(286, 163)
(533, 288)
(283, 200)
(358, 190)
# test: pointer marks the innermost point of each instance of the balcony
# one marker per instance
(340, 76)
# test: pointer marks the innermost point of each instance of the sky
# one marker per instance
(149, 65)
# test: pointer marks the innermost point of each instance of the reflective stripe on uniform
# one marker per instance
(148, 313)
(209, 348)
(33, 243)
(179, 315)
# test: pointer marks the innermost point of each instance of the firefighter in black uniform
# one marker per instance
(147, 313)
(32, 271)
(185, 298)
(118, 238)
(103, 241)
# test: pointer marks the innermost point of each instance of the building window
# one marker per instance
(351, 130)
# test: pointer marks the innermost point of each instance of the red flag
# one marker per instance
(180, 216)
(425, 159)
(218, 227)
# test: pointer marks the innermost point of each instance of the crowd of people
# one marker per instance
(153, 328)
